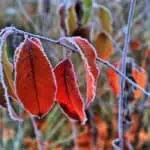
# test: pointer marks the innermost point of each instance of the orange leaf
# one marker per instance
(113, 79)
(88, 54)
(141, 78)
(138, 74)
(34, 79)
(104, 46)
(68, 94)
(135, 45)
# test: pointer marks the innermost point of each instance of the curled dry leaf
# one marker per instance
(34, 79)
(8, 74)
(68, 94)
(88, 54)
(104, 46)
(8, 95)
(8, 77)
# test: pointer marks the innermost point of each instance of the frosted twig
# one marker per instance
(107, 63)
(93, 128)
(37, 134)
(123, 70)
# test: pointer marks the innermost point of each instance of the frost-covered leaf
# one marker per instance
(34, 78)
(68, 94)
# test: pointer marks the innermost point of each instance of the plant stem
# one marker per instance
(75, 133)
(37, 134)
(93, 128)
(123, 70)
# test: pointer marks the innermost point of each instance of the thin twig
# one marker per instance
(135, 20)
(123, 70)
(44, 38)
(75, 133)
(37, 134)
(93, 128)
(19, 136)
(59, 125)
(13, 29)
(62, 141)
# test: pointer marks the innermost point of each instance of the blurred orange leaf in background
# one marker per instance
(104, 46)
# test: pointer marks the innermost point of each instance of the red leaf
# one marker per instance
(34, 79)
(88, 55)
(68, 94)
